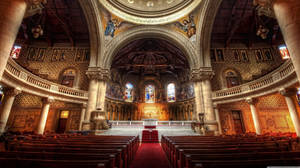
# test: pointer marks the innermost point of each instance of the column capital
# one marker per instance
(264, 7)
(288, 92)
(48, 100)
(250, 100)
(84, 105)
(215, 105)
(98, 74)
(202, 74)
(12, 92)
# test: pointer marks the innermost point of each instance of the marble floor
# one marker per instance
(162, 130)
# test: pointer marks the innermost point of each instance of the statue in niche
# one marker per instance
(188, 26)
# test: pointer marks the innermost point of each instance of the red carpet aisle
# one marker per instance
(150, 155)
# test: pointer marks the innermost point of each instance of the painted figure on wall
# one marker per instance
(128, 92)
(149, 94)
(188, 26)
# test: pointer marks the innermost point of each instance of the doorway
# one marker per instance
(238, 122)
(62, 122)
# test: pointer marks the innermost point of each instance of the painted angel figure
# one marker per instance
(188, 26)
(113, 24)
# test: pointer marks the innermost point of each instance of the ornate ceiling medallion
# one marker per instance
(150, 12)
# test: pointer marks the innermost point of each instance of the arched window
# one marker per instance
(150, 94)
(68, 77)
(128, 92)
(171, 92)
(232, 78)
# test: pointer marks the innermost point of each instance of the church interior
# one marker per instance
(149, 83)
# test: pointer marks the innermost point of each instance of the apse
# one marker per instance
(150, 75)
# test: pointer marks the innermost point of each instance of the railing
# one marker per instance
(25, 79)
(157, 123)
(281, 73)
(19, 73)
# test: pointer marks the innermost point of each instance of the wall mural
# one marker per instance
(186, 92)
(57, 54)
(113, 24)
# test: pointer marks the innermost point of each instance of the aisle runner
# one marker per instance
(150, 155)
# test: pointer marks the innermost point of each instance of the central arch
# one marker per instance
(139, 32)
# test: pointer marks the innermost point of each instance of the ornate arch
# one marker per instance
(92, 14)
(206, 21)
(160, 32)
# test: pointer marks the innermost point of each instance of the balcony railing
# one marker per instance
(22, 78)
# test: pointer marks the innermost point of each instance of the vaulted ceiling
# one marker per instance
(150, 57)
(62, 21)
(237, 21)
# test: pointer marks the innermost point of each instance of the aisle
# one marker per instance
(150, 155)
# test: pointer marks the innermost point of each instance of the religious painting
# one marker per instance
(15, 52)
(236, 56)
(232, 78)
(188, 26)
(68, 77)
(244, 56)
(268, 54)
(258, 55)
(41, 54)
(171, 92)
(55, 55)
(284, 52)
(32, 52)
(213, 55)
(150, 94)
(128, 92)
(220, 55)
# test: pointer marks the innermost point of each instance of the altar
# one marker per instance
(150, 122)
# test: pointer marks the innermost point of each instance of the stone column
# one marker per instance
(83, 110)
(12, 13)
(218, 118)
(198, 99)
(208, 105)
(287, 13)
(92, 100)
(288, 94)
(44, 114)
(255, 118)
(101, 94)
(10, 98)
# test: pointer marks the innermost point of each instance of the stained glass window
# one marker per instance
(171, 92)
(149, 94)
(129, 92)
(15, 52)
(284, 52)
(298, 96)
(1, 94)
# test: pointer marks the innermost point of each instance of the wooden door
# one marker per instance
(238, 122)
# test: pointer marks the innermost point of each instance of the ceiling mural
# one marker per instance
(113, 25)
(150, 12)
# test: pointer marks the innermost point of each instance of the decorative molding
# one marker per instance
(250, 100)
(98, 74)
(202, 74)
(12, 92)
(34, 7)
(264, 7)
(48, 100)
(288, 92)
